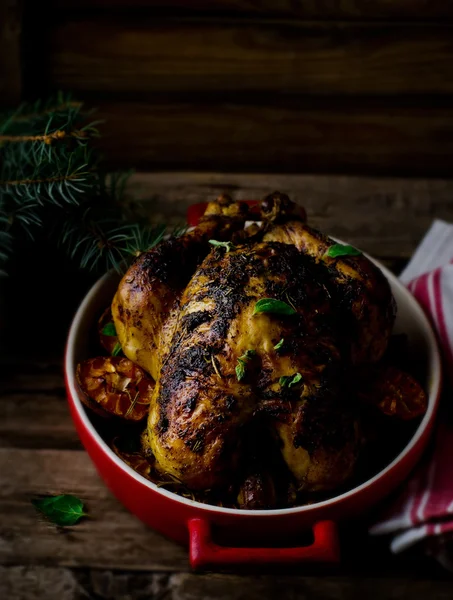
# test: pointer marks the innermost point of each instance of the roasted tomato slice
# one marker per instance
(117, 386)
(107, 332)
(393, 392)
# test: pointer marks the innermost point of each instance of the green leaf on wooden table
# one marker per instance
(62, 510)
(116, 349)
(290, 380)
(227, 245)
(276, 307)
(109, 329)
(279, 345)
(242, 361)
(342, 250)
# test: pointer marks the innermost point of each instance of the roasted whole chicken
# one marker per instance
(253, 338)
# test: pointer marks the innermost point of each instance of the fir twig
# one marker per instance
(47, 138)
(142, 239)
(104, 242)
(50, 175)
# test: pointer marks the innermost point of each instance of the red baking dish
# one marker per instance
(249, 537)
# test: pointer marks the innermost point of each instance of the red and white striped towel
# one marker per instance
(423, 514)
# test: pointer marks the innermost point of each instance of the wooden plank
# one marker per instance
(385, 216)
(36, 420)
(36, 583)
(305, 9)
(51, 583)
(31, 373)
(33, 407)
(10, 67)
(111, 537)
(152, 55)
(312, 137)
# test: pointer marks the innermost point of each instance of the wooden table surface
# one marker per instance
(111, 554)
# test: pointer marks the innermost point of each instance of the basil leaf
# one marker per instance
(276, 307)
(242, 361)
(227, 245)
(296, 379)
(290, 380)
(109, 329)
(279, 345)
(342, 250)
(62, 510)
(117, 349)
(240, 370)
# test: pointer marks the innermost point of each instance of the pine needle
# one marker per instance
(51, 175)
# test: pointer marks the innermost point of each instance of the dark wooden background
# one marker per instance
(317, 86)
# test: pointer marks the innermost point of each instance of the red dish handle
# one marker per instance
(206, 554)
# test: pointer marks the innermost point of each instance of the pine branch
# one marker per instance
(142, 238)
(103, 243)
(47, 138)
(45, 154)
(96, 244)
(29, 118)
(65, 178)
(50, 176)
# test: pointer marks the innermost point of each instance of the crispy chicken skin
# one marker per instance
(359, 289)
(199, 402)
(145, 306)
(185, 313)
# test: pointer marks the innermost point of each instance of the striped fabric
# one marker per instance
(423, 514)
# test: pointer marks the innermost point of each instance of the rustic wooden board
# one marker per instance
(31, 373)
(33, 409)
(386, 217)
(279, 136)
(36, 583)
(36, 420)
(311, 9)
(152, 55)
(110, 537)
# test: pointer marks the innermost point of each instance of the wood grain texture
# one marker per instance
(29, 372)
(110, 537)
(33, 409)
(311, 9)
(36, 420)
(152, 55)
(10, 67)
(36, 583)
(299, 137)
